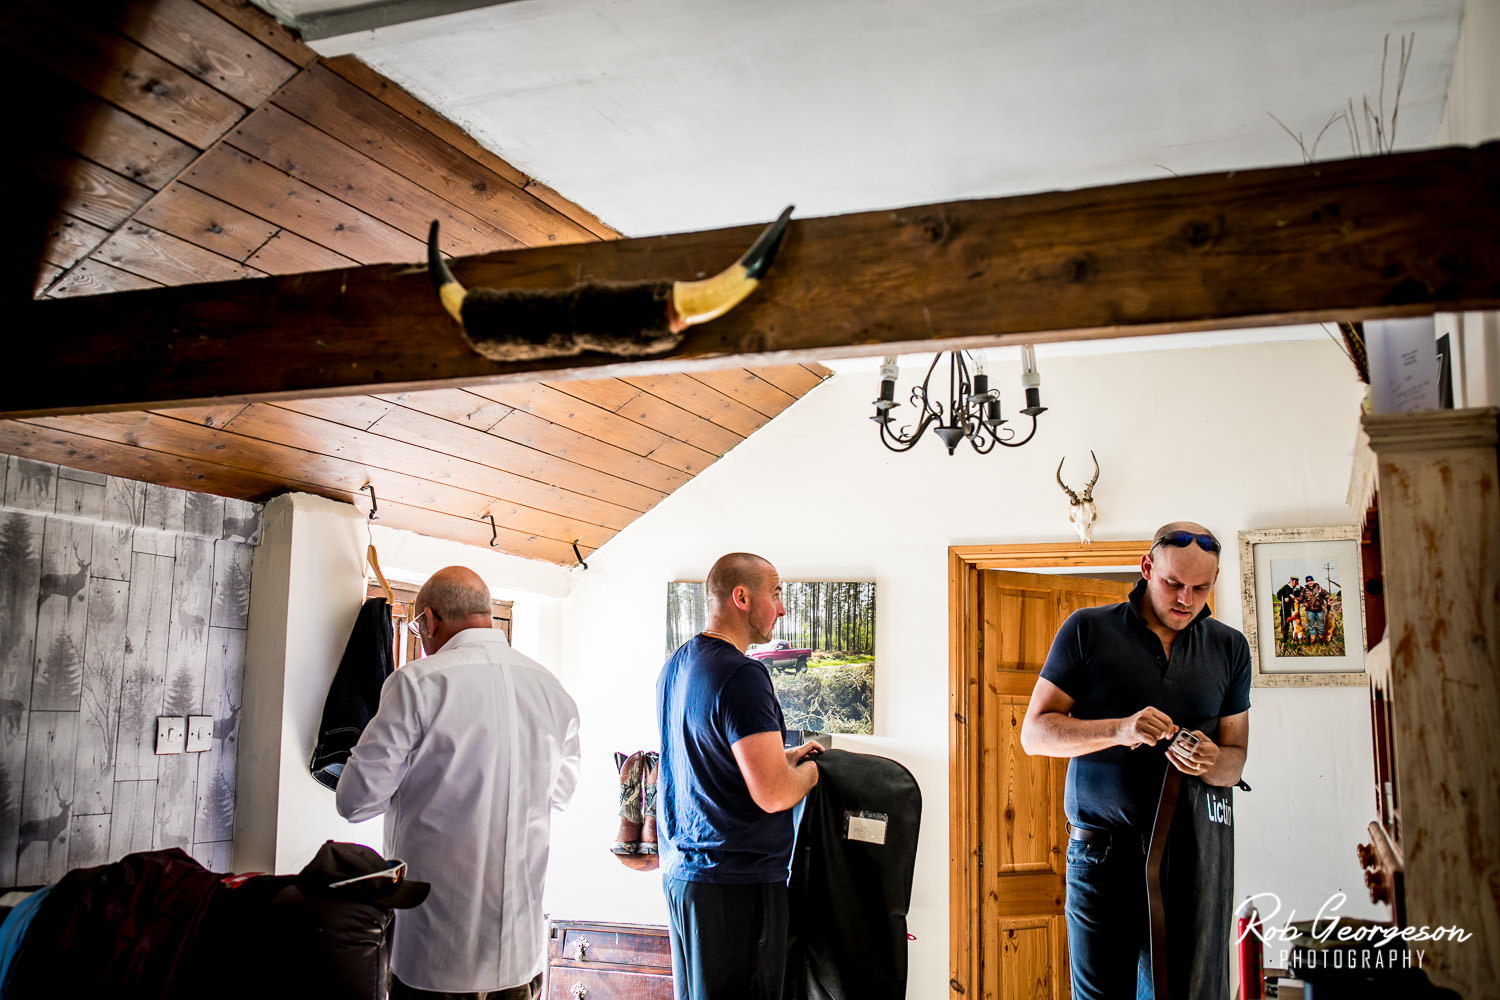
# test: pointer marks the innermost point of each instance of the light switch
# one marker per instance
(200, 733)
(171, 733)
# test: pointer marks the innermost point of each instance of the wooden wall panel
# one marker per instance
(166, 259)
(123, 73)
(191, 36)
(47, 796)
(321, 161)
(747, 388)
(93, 277)
(99, 715)
(362, 122)
(88, 191)
(234, 176)
(119, 141)
(206, 221)
(80, 783)
(288, 253)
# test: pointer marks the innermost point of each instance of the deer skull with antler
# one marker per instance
(1082, 513)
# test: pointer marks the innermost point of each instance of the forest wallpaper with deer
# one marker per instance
(119, 601)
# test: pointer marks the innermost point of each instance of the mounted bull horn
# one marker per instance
(1082, 513)
(629, 318)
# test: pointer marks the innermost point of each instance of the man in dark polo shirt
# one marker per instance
(1118, 681)
(725, 793)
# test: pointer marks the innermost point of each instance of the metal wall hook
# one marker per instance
(578, 555)
(374, 504)
(494, 532)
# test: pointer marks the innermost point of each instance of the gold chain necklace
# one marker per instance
(717, 635)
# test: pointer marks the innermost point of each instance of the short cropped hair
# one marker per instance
(737, 569)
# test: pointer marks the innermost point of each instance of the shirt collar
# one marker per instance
(474, 636)
(1138, 594)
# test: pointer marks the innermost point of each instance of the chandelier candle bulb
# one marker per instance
(1031, 381)
(887, 401)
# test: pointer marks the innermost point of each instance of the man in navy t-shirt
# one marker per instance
(1117, 681)
(725, 793)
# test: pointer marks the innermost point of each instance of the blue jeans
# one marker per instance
(1314, 624)
(1109, 930)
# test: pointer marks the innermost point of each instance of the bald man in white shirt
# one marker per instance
(473, 748)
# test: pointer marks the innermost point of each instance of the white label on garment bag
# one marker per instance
(866, 826)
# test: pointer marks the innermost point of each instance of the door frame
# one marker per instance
(964, 565)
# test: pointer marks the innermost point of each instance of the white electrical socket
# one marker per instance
(200, 733)
(171, 733)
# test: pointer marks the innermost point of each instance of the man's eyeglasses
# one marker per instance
(417, 626)
(1180, 539)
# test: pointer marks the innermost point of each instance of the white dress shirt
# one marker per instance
(471, 751)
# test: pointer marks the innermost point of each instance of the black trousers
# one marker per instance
(728, 941)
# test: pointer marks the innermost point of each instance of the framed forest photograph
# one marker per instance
(821, 658)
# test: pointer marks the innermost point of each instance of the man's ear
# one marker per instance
(1146, 566)
(740, 595)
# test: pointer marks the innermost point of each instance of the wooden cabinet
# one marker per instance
(594, 960)
(1435, 685)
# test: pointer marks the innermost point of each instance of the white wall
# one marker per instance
(311, 585)
(1237, 437)
(1472, 116)
(302, 606)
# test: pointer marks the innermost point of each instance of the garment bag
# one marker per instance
(851, 879)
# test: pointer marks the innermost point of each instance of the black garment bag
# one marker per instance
(851, 881)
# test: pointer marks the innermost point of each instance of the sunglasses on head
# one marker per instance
(1179, 539)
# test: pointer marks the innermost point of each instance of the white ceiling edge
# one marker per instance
(664, 116)
(1112, 345)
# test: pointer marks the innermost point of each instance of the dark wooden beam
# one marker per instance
(1353, 239)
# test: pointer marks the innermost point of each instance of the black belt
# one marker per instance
(1088, 836)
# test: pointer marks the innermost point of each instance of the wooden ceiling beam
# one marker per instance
(1355, 239)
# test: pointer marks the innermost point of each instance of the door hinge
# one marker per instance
(981, 645)
(981, 854)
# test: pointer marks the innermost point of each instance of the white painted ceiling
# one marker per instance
(675, 115)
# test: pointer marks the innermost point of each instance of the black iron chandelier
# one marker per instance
(973, 408)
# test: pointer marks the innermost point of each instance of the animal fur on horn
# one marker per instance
(623, 318)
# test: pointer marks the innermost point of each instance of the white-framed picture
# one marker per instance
(1303, 607)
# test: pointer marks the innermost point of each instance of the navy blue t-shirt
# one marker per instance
(709, 697)
(1112, 665)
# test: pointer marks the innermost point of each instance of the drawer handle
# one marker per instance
(579, 991)
(580, 949)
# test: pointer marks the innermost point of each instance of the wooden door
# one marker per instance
(1015, 815)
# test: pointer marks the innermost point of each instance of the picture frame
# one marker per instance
(1303, 633)
(820, 658)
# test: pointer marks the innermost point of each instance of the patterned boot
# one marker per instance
(648, 803)
(628, 838)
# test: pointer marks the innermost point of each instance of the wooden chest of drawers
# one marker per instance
(595, 960)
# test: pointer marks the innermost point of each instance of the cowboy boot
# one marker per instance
(648, 802)
(628, 837)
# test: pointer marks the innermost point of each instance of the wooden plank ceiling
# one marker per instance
(200, 141)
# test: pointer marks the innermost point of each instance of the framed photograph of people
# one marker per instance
(1302, 595)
